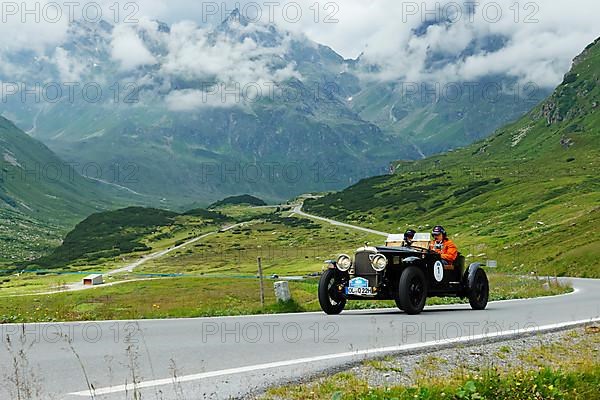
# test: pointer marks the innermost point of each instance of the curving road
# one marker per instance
(298, 210)
(235, 356)
(79, 286)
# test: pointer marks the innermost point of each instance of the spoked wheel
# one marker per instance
(412, 291)
(479, 293)
(330, 299)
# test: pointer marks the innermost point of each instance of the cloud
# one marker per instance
(539, 52)
(542, 37)
(194, 54)
(193, 100)
(129, 50)
(21, 31)
(541, 40)
(544, 66)
(69, 69)
(241, 67)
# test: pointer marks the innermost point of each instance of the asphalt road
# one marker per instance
(235, 356)
(298, 210)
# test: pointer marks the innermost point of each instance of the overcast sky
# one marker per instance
(544, 36)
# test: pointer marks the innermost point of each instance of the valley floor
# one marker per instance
(207, 271)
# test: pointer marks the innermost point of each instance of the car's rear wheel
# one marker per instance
(479, 292)
(412, 291)
(331, 300)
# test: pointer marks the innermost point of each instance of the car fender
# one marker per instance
(331, 264)
(469, 276)
(411, 260)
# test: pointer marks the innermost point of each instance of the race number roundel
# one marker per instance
(438, 271)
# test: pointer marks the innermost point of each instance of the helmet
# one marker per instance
(409, 234)
(439, 230)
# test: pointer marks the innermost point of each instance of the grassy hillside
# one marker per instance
(104, 236)
(41, 196)
(23, 237)
(237, 200)
(529, 196)
(288, 246)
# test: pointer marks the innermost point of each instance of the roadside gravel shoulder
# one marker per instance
(528, 353)
(557, 350)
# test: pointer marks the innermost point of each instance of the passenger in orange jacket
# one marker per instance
(443, 246)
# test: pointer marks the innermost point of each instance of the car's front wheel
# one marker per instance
(398, 304)
(479, 292)
(412, 291)
(330, 299)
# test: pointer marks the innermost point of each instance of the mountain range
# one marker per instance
(168, 127)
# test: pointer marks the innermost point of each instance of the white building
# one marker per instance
(93, 280)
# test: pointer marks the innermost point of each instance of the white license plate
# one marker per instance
(360, 291)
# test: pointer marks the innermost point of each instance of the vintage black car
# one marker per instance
(408, 275)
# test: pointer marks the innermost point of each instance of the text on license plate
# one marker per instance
(360, 291)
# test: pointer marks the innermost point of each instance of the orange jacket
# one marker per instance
(449, 251)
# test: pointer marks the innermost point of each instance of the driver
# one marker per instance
(409, 236)
(443, 245)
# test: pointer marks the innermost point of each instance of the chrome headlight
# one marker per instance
(344, 262)
(379, 262)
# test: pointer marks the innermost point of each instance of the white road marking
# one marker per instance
(328, 357)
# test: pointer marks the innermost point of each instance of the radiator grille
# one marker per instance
(362, 267)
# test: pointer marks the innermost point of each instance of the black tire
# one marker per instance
(479, 293)
(412, 291)
(331, 301)
(398, 304)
